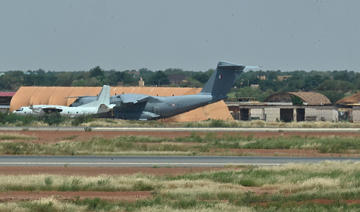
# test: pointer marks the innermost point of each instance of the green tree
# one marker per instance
(159, 78)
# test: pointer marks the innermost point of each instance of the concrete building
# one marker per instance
(287, 107)
(349, 108)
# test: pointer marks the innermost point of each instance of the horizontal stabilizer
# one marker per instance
(105, 108)
(133, 99)
(150, 115)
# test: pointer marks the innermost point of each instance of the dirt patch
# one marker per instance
(262, 190)
(315, 201)
(353, 201)
(71, 195)
(321, 201)
(95, 171)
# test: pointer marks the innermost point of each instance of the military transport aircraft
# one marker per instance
(145, 107)
(98, 105)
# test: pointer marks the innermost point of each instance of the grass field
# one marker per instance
(87, 121)
(326, 186)
(195, 144)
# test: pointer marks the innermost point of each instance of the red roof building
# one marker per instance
(7, 94)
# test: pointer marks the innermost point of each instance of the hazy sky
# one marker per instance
(190, 34)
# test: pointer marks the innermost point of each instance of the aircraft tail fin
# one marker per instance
(222, 80)
(102, 99)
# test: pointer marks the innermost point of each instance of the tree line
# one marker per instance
(255, 84)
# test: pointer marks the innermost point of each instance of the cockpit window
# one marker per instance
(21, 109)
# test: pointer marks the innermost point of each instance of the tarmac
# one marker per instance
(179, 129)
(158, 161)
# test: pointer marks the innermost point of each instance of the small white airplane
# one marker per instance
(100, 105)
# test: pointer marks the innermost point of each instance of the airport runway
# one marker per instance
(151, 161)
(180, 129)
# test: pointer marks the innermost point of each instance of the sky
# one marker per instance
(70, 35)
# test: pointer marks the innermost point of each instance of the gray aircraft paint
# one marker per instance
(145, 107)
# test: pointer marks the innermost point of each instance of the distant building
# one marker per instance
(141, 82)
(287, 107)
(134, 73)
(282, 78)
(176, 78)
(261, 77)
(349, 108)
(5, 99)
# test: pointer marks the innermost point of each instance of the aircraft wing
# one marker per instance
(133, 99)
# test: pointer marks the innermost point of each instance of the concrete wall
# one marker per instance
(311, 114)
(329, 115)
(322, 114)
(356, 114)
(257, 113)
(272, 114)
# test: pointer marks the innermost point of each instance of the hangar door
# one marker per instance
(286, 115)
(300, 114)
(244, 114)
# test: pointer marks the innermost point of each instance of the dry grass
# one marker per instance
(44, 204)
(209, 144)
(106, 122)
(73, 183)
(264, 124)
(285, 188)
(216, 208)
(14, 136)
(219, 123)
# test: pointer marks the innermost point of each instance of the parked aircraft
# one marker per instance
(99, 104)
(145, 107)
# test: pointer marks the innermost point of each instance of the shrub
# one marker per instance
(40, 207)
(48, 181)
(87, 129)
(53, 118)
(81, 119)
(247, 182)
(218, 123)
(97, 204)
(141, 186)
(185, 204)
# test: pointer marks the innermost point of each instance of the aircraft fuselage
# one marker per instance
(160, 107)
(62, 110)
